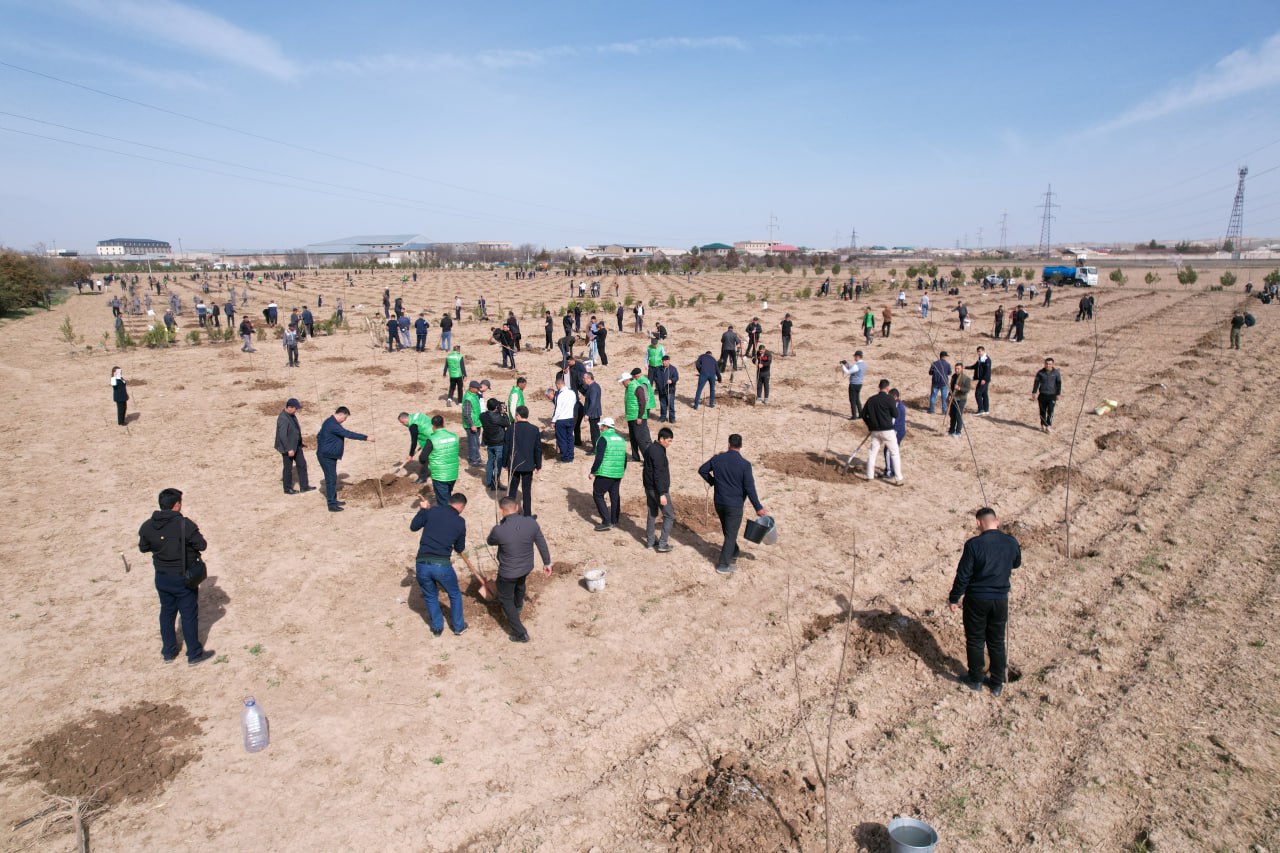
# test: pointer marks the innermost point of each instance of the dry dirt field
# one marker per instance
(677, 709)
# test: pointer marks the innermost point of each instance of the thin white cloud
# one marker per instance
(179, 25)
(158, 78)
(1238, 73)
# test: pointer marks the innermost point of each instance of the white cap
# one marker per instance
(625, 377)
(608, 422)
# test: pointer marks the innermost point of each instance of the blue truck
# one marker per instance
(1078, 276)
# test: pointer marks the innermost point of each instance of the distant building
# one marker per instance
(754, 247)
(122, 246)
(782, 249)
(715, 249)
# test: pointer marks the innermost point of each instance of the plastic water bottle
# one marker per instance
(254, 725)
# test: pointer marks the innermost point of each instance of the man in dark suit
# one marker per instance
(289, 446)
(524, 450)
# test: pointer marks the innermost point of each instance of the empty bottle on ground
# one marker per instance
(254, 725)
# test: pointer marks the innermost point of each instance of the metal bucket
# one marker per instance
(908, 835)
(757, 528)
(594, 579)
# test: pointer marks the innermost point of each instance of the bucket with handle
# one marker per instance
(594, 579)
(908, 835)
(757, 528)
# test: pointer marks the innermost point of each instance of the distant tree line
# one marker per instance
(30, 281)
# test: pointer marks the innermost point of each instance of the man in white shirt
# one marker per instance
(566, 402)
(856, 373)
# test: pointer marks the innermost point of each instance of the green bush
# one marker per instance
(1151, 277)
(835, 269)
(158, 336)
(671, 300)
(751, 297)
(123, 340)
(228, 335)
(1118, 276)
(1271, 278)
(720, 296)
(608, 306)
(1228, 279)
(787, 267)
(1187, 275)
(629, 301)
(193, 337)
(66, 330)
(806, 293)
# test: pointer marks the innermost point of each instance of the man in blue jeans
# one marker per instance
(172, 540)
(939, 381)
(330, 444)
(708, 374)
(734, 484)
(982, 579)
(444, 532)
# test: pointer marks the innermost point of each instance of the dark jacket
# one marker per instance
(729, 341)
(1047, 382)
(420, 326)
(961, 385)
(591, 400)
(981, 370)
(118, 391)
(900, 422)
(162, 536)
(516, 536)
(493, 428)
(657, 472)
(288, 433)
(939, 373)
(664, 377)
(708, 367)
(730, 475)
(524, 447)
(985, 565)
(331, 440)
(442, 529)
(878, 413)
(576, 371)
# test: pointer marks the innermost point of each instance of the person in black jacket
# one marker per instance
(602, 334)
(121, 395)
(730, 476)
(524, 449)
(656, 478)
(982, 382)
(289, 446)
(591, 409)
(549, 328)
(493, 435)
(173, 541)
(664, 384)
(982, 579)
(878, 414)
(1045, 389)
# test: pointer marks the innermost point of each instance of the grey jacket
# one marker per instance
(516, 536)
(288, 433)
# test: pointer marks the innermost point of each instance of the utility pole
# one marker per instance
(1046, 241)
(853, 239)
(1235, 226)
(773, 226)
(1004, 231)
(979, 238)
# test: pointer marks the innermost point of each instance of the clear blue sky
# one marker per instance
(560, 123)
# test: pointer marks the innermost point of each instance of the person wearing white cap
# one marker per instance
(606, 471)
(638, 401)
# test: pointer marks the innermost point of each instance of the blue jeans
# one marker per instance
(705, 380)
(175, 600)
(493, 465)
(934, 392)
(473, 447)
(443, 491)
(564, 439)
(431, 578)
(329, 466)
(446, 340)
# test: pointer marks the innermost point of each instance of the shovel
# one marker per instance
(488, 591)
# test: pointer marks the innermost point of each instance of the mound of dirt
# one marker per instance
(274, 408)
(267, 385)
(110, 756)
(1056, 475)
(397, 490)
(740, 806)
(1117, 439)
(373, 370)
(534, 586)
(692, 514)
(338, 358)
(406, 388)
(810, 466)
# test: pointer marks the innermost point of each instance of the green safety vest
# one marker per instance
(514, 399)
(648, 395)
(869, 319)
(655, 356)
(631, 406)
(614, 462)
(454, 362)
(423, 423)
(443, 461)
(474, 399)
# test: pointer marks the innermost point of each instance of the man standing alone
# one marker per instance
(855, 373)
(172, 541)
(1045, 389)
(289, 446)
(730, 476)
(516, 536)
(982, 580)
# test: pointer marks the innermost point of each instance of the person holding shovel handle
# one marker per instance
(516, 536)
(982, 580)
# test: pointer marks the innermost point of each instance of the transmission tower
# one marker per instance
(1004, 231)
(773, 226)
(853, 239)
(1236, 226)
(1046, 223)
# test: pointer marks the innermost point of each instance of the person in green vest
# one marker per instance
(515, 397)
(472, 408)
(439, 455)
(869, 324)
(655, 353)
(636, 403)
(606, 473)
(419, 426)
(456, 369)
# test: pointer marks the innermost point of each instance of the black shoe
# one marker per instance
(335, 508)
(340, 503)
(996, 687)
(200, 658)
(463, 631)
(290, 491)
(975, 686)
(439, 633)
(307, 489)
(169, 658)
(663, 549)
(523, 638)
(600, 528)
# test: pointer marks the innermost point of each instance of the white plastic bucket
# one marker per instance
(908, 835)
(594, 579)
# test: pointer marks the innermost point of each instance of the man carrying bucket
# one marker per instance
(982, 579)
(731, 478)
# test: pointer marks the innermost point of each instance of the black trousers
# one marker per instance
(121, 405)
(999, 328)
(594, 423)
(579, 411)
(604, 359)
(762, 384)
(286, 476)
(511, 596)
(984, 628)
(602, 486)
(548, 339)
(639, 433)
(730, 524)
(1047, 402)
(982, 396)
(956, 410)
(519, 480)
(455, 382)
(855, 401)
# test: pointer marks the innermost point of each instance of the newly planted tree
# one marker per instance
(1118, 276)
